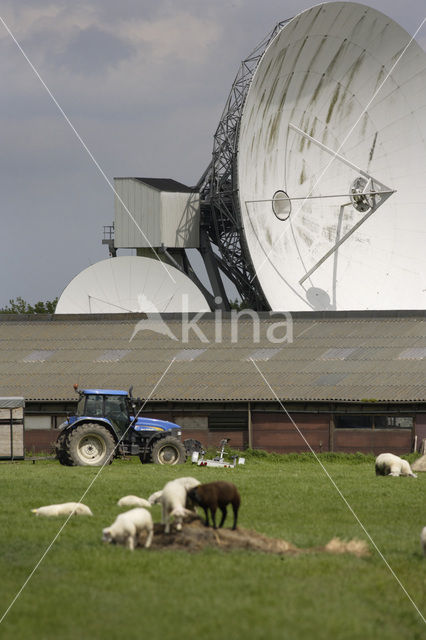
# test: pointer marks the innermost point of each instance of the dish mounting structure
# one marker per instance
(221, 238)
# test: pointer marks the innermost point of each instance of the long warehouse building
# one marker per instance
(340, 381)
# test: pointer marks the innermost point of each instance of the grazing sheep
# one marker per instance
(173, 500)
(65, 509)
(128, 526)
(216, 494)
(154, 498)
(187, 482)
(387, 464)
(133, 501)
(423, 540)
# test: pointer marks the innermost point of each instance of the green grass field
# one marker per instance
(84, 589)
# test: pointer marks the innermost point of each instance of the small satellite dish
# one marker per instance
(332, 163)
(131, 284)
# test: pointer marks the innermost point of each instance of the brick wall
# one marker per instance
(38, 440)
(276, 432)
(397, 441)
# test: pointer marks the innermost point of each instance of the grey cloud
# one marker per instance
(93, 50)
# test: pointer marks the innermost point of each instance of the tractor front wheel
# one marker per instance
(90, 445)
(168, 450)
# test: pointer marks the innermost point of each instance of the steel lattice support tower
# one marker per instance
(221, 225)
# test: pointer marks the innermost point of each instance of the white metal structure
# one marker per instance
(166, 213)
(332, 163)
(131, 284)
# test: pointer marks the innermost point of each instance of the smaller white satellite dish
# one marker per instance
(131, 284)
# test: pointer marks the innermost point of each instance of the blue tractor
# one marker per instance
(106, 426)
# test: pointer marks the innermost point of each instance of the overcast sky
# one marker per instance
(144, 83)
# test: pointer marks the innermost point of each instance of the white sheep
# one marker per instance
(423, 540)
(173, 500)
(187, 482)
(154, 498)
(65, 509)
(388, 464)
(128, 526)
(133, 501)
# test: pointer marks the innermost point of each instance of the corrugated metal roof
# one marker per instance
(167, 184)
(331, 357)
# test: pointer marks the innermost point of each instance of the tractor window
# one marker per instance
(80, 406)
(116, 410)
(94, 405)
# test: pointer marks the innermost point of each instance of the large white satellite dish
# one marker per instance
(131, 284)
(331, 163)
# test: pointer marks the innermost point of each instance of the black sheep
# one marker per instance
(213, 495)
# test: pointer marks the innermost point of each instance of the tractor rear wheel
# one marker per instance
(90, 445)
(168, 450)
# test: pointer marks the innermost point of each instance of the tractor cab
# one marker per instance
(106, 403)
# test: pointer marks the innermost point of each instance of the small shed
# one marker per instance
(12, 428)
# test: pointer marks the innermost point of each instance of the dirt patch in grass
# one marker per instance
(194, 537)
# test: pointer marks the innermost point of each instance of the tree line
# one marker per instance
(21, 306)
